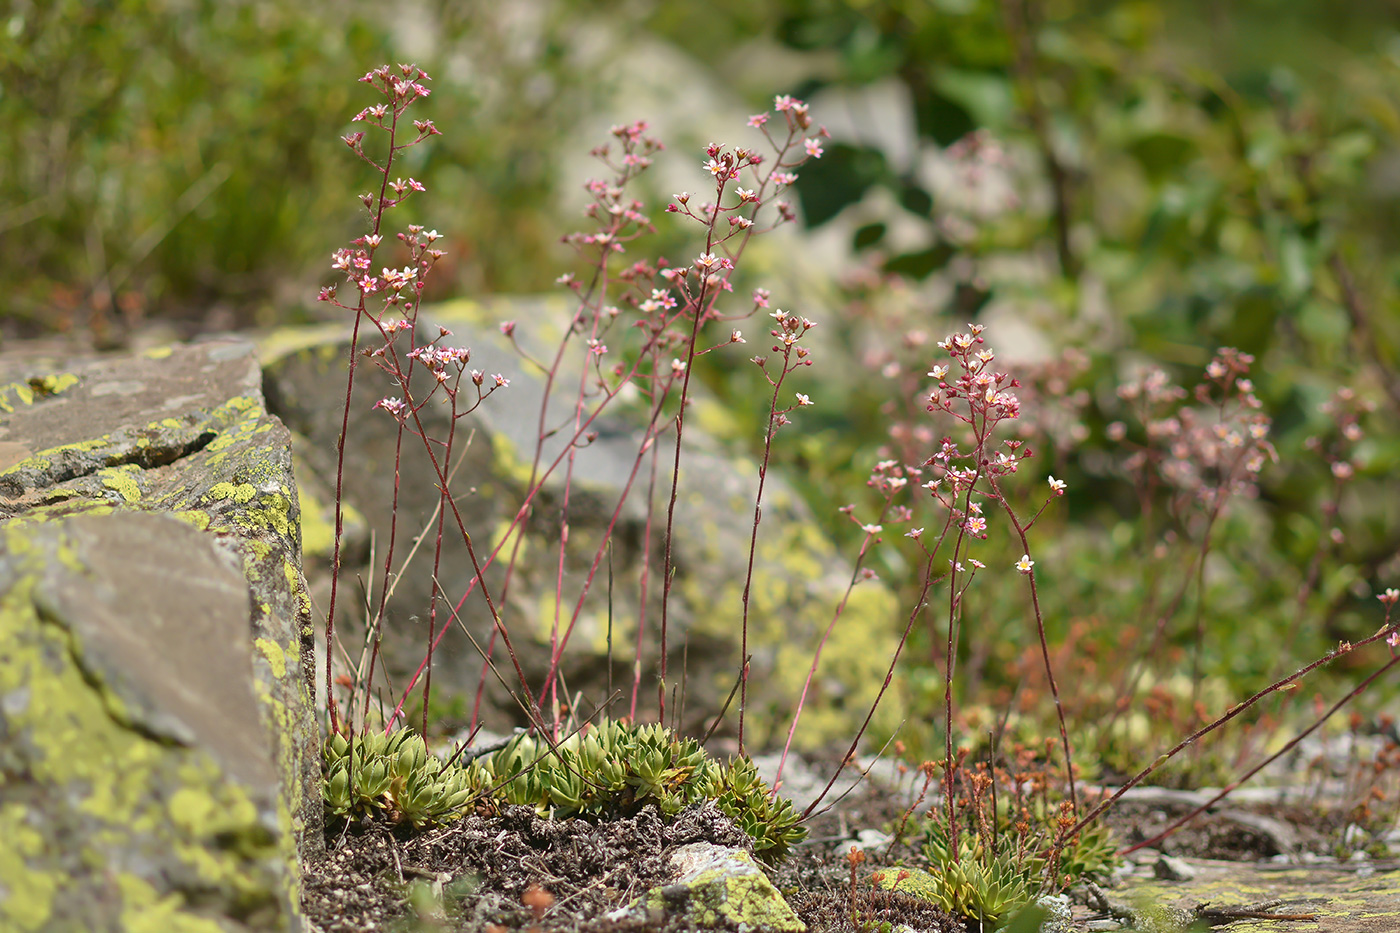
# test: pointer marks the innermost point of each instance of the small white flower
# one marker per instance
(872, 529)
(1058, 485)
(913, 532)
(803, 401)
(1025, 563)
(938, 372)
(977, 563)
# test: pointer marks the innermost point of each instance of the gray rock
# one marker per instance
(160, 752)
(797, 584)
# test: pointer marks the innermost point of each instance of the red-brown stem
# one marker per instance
(360, 313)
(444, 493)
(889, 676)
(647, 444)
(1044, 647)
(1212, 726)
(646, 580)
(748, 573)
(817, 655)
(1177, 824)
(477, 578)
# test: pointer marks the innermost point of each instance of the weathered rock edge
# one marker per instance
(158, 748)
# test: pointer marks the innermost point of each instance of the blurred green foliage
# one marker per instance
(1175, 178)
(181, 159)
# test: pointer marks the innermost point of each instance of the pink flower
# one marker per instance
(814, 147)
(393, 406)
(758, 119)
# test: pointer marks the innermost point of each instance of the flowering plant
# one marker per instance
(638, 328)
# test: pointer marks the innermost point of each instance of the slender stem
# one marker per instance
(1216, 724)
(1177, 824)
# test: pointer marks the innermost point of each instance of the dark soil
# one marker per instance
(514, 871)
(484, 866)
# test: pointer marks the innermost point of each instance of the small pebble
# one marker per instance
(1102, 926)
(1170, 868)
(870, 839)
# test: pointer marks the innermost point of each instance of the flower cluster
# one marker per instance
(788, 329)
(1208, 450)
(726, 165)
(1345, 410)
(985, 395)
(619, 216)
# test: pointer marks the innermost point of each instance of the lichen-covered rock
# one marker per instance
(798, 579)
(716, 888)
(160, 752)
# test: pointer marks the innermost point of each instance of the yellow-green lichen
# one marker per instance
(722, 899)
(792, 601)
(275, 658)
(196, 517)
(239, 492)
(158, 353)
(40, 387)
(239, 417)
(1335, 897)
(76, 739)
(317, 517)
(19, 392)
(29, 891)
(145, 910)
(506, 461)
(44, 458)
(122, 479)
(281, 342)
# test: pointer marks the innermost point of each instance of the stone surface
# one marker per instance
(1343, 898)
(160, 760)
(798, 582)
(716, 887)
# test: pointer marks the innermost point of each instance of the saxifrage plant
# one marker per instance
(966, 480)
